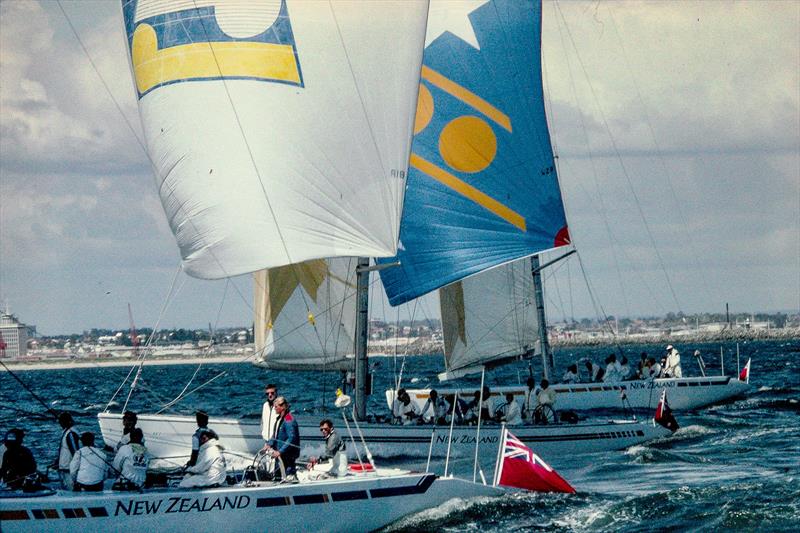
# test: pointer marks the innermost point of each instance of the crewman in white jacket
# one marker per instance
(67, 446)
(673, 367)
(210, 467)
(88, 466)
(131, 462)
(511, 412)
(269, 418)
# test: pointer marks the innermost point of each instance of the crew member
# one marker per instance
(673, 366)
(654, 368)
(642, 372)
(435, 409)
(88, 465)
(625, 369)
(18, 464)
(269, 418)
(335, 449)
(69, 444)
(129, 420)
(488, 408)
(613, 369)
(595, 373)
(286, 443)
(511, 413)
(545, 400)
(530, 397)
(407, 411)
(202, 423)
(210, 469)
(571, 375)
(131, 462)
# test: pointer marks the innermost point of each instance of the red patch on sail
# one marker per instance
(562, 237)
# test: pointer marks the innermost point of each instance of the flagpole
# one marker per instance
(499, 453)
(478, 433)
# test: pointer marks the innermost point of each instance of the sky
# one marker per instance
(676, 125)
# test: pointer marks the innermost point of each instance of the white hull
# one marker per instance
(683, 393)
(358, 503)
(170, 437)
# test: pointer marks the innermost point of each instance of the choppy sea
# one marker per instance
(730, 466)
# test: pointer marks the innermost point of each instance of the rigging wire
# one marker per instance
(624, 169)
(660, 156)
(30, 390)
(149, 342)
(593, 164)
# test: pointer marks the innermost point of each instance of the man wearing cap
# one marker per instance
(18, 462)
(672, 369)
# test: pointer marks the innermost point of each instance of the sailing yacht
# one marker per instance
(482, 192)
(279, 132)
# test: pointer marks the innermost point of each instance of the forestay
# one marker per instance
(488, 318)
(279, 130)
(305, 315)
(482, 185)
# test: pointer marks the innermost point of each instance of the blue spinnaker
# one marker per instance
(482, 187)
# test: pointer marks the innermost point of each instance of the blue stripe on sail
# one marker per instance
(482, 187)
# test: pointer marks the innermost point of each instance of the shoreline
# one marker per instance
(417, 348)
(70, 364)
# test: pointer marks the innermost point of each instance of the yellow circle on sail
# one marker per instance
(468, 144)
(424, 109)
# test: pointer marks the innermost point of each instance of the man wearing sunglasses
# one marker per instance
(269, 418)
(335, 449)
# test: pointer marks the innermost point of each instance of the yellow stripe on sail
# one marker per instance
(196, 61)
(466, 96)
(467, 190)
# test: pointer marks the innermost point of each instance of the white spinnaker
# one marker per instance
(305, 315)
(256, 174)
(489, 316)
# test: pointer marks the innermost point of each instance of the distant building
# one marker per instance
(13, 336)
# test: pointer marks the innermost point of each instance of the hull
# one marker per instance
(170, 437)
(360, 503)
(683, 393)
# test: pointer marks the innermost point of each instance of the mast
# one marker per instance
(362, 326)
(538, 294)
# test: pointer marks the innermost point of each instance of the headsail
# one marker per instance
(488, 318)
(482, 185)
(279, 129)
(305, 315)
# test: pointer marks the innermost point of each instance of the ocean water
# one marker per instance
(730, 466)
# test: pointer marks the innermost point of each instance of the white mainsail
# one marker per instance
(305, 315)
(488, 318)
(279, 130)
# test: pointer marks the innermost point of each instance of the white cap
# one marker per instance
(669, 347)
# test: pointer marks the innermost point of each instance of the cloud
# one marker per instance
(701, 100)
(56, 113)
